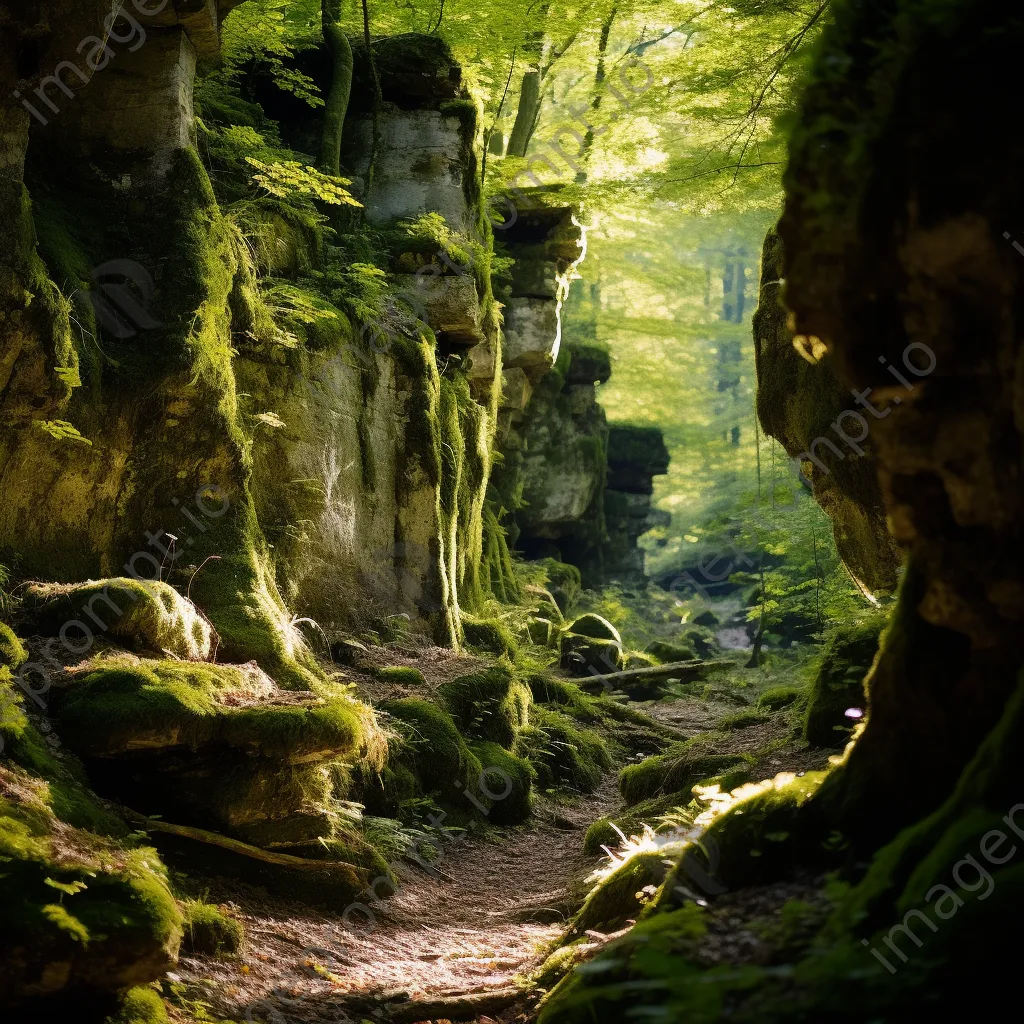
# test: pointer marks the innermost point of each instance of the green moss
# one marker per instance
(639, 659)
(12, 651)
(599, 834)
(596, 626)
(779, 697)
(240, 595)
(701, 639)
(499, 568)
(568, 696)
(492, 704)
(631, 821)
(678, 769)
(585, 656)
(771, 828)
(441, 759)
(140, 1006)
(559, 964)
(164, 704)
(564, 582)
(742, 719)
(489, 635)
(839, 682)
(621, 896)
(466, 113)
(562, 753)
(665, 652)
(79, 908)
(543, 632)
(383, 789)
(210, 931)
(405, 674)
(153, 615)
(319, 325)
(508, 776)
(653, 963)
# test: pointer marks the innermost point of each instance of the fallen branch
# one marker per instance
(677, 669)
(466, 1007)
(199, 835)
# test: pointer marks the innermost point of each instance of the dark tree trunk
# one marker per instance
(341, 88)
(526, 115)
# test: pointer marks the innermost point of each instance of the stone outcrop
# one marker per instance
(581, 490)
(635, 456)
(802, 403)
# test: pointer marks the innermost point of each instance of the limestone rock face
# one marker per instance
(449, 303)
(532, 335)
(419, 168)
(806, 407)
(141, 104)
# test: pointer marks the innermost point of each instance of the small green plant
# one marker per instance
(287, 179)
(61, 430)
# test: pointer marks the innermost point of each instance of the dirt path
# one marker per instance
(474, 929)
(455, 944)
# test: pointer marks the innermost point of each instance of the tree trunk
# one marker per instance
(526, 115)
(755, 654)
(377, 96)
(595, 103)
(341, 88)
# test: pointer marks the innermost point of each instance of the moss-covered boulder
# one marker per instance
(839, 682)
(440, 759)
(492, 704)
(121, 705)
(406, 675)
(665, 652)
(562, 753)
(506, 786)
(583, 656)
(210, 930)
(701, 638)
(779, 697)
(149, 616)
(596, 626)
(83, 911)
(215, 746)
(489, 635)
(770, 830)
(679, 769)
(622, 894)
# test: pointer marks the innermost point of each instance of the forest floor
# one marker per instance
(460, 941)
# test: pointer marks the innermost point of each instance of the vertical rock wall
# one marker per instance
(903, 203)
(352, 476)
